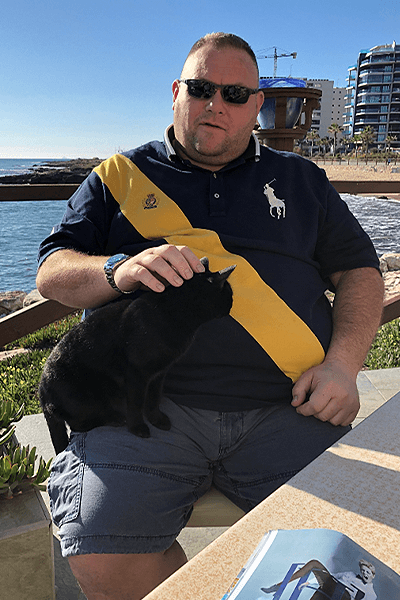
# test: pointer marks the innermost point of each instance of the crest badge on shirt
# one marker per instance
(277, 206)
(150, 201)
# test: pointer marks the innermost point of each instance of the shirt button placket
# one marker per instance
(217, 204)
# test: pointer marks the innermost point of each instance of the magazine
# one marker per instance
(317, 564)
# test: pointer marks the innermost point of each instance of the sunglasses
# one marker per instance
(235, 94)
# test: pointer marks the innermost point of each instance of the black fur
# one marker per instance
(110, 369)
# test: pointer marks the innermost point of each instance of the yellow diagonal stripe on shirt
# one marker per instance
(280, 332)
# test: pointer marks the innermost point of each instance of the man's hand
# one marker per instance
(172, 264)
(328, 392)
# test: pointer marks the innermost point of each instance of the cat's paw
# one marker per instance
(160, 420)
(140, 430)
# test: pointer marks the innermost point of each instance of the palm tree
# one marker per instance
(312, 136)
(389, 139)
(367, 137)
(356, 140)
(335, 130)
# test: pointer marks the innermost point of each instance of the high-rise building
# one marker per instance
(332, 106)
(373, 95)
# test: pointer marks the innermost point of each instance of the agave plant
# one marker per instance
(17, 470)
(17, 464)
(9, 413)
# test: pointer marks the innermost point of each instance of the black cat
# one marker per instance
(110, 369)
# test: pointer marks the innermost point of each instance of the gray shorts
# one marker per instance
(113, 492)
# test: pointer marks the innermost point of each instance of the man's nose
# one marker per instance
(216, 102)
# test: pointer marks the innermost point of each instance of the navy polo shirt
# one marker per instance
(273, 214)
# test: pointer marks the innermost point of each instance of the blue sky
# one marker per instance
(86, 78)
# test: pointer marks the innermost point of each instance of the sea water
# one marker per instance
(18, 166)
(23, 225)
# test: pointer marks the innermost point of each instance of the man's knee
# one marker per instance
(124, 576)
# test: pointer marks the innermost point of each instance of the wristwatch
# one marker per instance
(109, 268)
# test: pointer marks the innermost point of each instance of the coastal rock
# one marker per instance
(392, 283)
(11, 301)
(32, 297)
(67, 171)
(390, 262)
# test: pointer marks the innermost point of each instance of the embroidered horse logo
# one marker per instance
(274, 202)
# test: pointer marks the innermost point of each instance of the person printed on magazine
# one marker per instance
(346, 586)
(260, 393)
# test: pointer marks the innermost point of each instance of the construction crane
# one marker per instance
(275, 56)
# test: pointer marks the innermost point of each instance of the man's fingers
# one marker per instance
(192, 259)
(301, 388)
(155, 267)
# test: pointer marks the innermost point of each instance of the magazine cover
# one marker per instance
(317, 564)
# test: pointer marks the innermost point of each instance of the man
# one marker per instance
(237, 420)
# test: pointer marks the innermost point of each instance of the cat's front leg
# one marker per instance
(135, 422)
(139, 429)
(136, 386)
(153, 399)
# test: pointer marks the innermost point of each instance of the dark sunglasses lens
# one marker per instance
(201, 89)
(235, 94)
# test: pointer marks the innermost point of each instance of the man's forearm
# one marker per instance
(356, 316)
(74, 279)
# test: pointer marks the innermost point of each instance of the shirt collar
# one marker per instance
(253, 149)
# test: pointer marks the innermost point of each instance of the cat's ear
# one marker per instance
(224, 273)
(205, 263)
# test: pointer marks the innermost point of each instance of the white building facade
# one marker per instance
(332, 106)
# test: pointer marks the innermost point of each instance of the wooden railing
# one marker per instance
(30, 319)
(65, 191)
(37, 192)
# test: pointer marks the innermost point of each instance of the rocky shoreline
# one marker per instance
(58, 171)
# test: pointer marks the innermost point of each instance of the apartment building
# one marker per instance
(373, 95)
(332, 106)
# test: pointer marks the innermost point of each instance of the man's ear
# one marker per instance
(260, 100)
(175, 91)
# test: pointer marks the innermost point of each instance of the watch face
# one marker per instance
(113, 260)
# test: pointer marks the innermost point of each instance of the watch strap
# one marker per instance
(109, 270)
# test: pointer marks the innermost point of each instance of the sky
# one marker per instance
(85, 78)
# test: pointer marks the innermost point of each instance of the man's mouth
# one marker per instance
(213, 125)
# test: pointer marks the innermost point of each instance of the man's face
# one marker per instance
(366, 574)
(211, 131)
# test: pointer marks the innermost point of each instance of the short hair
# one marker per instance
(367, 564)
(224, 40)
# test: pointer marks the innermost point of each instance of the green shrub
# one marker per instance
(48, 336)
(385, 349)
(19, 378)
(20, 374)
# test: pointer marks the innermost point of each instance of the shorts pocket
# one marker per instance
(65, 483)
